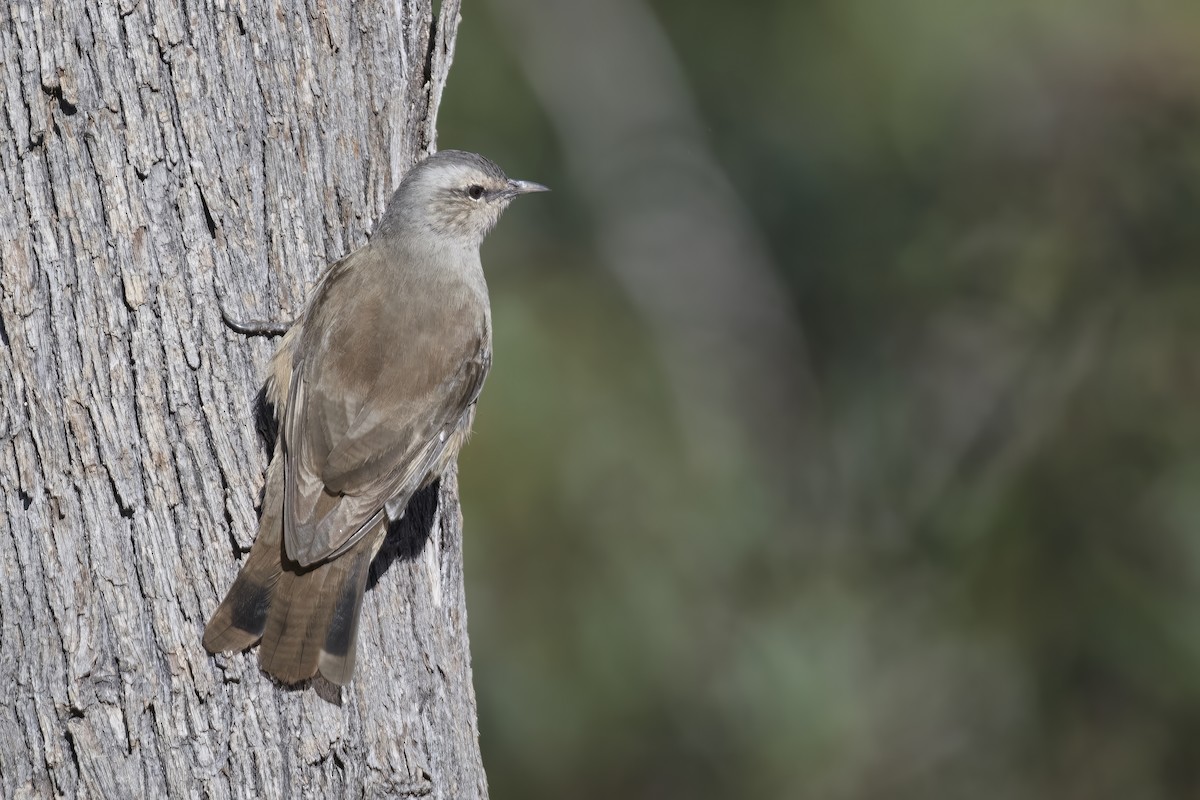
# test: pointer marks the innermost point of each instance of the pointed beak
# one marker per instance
(526, 187)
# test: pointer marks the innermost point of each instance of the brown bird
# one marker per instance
(374, 388)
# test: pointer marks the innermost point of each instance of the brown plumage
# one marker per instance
(374, 388)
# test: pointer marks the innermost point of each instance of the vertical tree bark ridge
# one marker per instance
(153, 155)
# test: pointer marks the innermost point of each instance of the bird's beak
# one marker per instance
(525, 187)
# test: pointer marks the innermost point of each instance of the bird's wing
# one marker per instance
(375, 398)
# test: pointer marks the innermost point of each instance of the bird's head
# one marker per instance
(454, 195)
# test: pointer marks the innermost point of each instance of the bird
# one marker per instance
(374, 388)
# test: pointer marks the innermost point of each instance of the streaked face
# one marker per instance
(468, 201)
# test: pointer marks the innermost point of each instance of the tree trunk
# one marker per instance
(154, 157)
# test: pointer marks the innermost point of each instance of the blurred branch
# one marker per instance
(676, 236)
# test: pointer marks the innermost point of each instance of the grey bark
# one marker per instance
(155, 155)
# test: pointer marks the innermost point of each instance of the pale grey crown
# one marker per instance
(455, 195)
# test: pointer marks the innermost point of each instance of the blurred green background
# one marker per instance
(842, 439)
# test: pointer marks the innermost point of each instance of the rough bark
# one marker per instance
(154, 156)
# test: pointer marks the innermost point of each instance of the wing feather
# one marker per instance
(374, 402)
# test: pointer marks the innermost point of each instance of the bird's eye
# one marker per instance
(475, 191)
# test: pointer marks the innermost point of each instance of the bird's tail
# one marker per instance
(307, 619)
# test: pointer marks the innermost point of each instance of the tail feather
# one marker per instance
(239, 621)
(286, 650)
(313, 622)
(242, 616)
(307, 619)
(341, 636)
